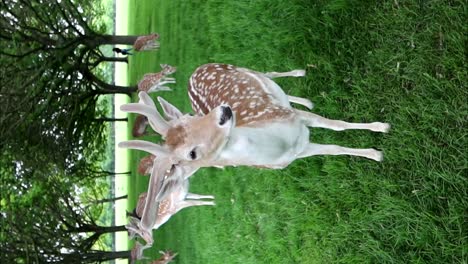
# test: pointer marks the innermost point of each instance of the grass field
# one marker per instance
(401, 62)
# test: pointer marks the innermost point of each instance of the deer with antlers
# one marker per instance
(243, 118)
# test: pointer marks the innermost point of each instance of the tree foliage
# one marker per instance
(45, 219)
(53, 129)
(49, 82)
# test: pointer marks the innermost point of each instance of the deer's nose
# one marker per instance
(226, 115)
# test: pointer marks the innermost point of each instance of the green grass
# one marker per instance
(401, 62)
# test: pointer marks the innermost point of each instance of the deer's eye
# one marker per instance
(193, 154)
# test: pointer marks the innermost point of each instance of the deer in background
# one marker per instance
(137, 252)
(139, 126)
(178, 199)
(167, 194)
(152, 82)
(167, 256)
(146, 43)
(146, 165)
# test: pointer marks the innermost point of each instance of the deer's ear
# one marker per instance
(146, 99)
(170, 112)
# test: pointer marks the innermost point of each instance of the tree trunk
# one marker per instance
(109, 59)
(98, 232)
(98, 229)
(95, 256)
(115, 59)
(97, 40)
(111, 119)
(113, 199)
(105, 87)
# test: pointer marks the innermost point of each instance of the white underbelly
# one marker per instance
(275, 145)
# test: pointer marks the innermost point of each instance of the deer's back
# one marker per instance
(214, 84)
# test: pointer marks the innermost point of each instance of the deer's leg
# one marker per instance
(169, 79)
(294, 73)
(159, 87)
(314, 120)
(302, 101)
(318, 149)
(164, 88)
(189, 203)
(165, 82)
(198, 196)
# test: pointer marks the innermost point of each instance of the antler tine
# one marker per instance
(146, 99)
(155, 119)
(143, 145)
(170, 111)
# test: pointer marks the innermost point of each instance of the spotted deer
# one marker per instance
(137, 252)
(145, 165)
(166, 257)
(177, 200)
(244, 118)
(167, 194)
(152, 82)
(147, 42)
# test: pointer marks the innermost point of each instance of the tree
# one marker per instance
(43, 219)
(50, 83)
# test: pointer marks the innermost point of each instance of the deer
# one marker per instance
(179, 199)
(139, 126)
(243, 119)
(167, 194)
(147, 42)
(152, 82)
(167, 256)
(146, 164)
(137, 252)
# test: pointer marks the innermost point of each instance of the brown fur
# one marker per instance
(145, 163)
(141, 41)
(176, 137)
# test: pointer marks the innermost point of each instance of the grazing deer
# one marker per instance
(145, 43)
(139, 126)
(162, 201)
(244, 119)
(167, 256)
(153, 82)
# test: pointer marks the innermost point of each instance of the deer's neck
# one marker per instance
(272, 145)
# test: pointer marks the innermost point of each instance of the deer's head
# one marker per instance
(162, 182)
(189, 140)
(168, 69)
